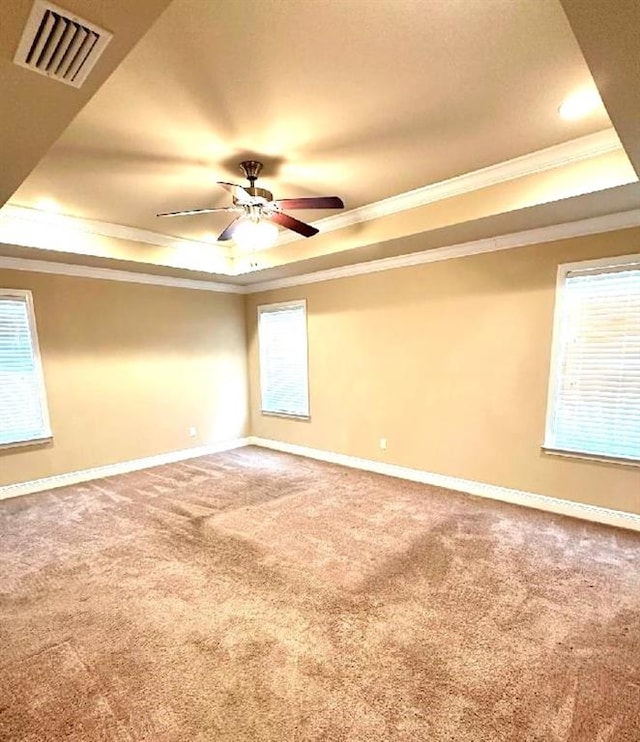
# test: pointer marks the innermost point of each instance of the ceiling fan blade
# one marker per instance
(284, 220)
(319, 202)
(237, 191)
(227, 232)
(190, 212)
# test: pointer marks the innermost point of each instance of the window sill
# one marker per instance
(31, 442)
(286, 415)
(590, 456)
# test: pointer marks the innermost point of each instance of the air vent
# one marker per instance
(60, 45)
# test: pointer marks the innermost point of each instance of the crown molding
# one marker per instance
(111, 274)
(581, 228)
(11, 212)
(575, 150)
(21, 225)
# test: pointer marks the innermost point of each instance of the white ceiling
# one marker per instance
(363, 99)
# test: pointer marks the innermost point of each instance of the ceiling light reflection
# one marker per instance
(49, 205)
(580, 104)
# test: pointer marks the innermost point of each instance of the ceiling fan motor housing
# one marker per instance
(251, 170)
(260, 193)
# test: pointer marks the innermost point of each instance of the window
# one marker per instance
(282, 336)
(594, 390)
(23, 408)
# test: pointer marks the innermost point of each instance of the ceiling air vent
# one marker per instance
(60, 45)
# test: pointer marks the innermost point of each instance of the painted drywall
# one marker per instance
(449, 362)
(129, 369)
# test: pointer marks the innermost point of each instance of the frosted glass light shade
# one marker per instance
(250, 235)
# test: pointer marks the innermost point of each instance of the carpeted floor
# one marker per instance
(253, 595)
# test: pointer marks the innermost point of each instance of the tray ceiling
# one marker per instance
(362, 99)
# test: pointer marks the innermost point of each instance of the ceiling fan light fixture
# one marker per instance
(252, 234)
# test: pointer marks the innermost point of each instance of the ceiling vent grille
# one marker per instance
(60, 45)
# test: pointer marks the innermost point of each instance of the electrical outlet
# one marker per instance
(383, 444)
(193, 431)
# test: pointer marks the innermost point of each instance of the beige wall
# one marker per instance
(128, 369)
(450, 362)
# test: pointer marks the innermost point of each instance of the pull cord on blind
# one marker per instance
(596, 401)
(23, 412)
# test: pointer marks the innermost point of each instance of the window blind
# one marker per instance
(23, 413)
(596, 389)
(282, 338)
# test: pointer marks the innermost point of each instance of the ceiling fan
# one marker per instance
(256, 205)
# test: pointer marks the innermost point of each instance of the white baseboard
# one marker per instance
(471, 487)
(480, 489)
(85, 475)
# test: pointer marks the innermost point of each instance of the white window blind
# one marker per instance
(23, 410)
(595, 383)
(282, 337)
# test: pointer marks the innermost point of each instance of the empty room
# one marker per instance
(320, 371)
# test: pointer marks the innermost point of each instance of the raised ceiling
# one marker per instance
(362, 99)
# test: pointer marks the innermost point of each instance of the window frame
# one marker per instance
(598, 265)
(27, 296)
(275, 307)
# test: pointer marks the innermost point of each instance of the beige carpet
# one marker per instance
(253, 595)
